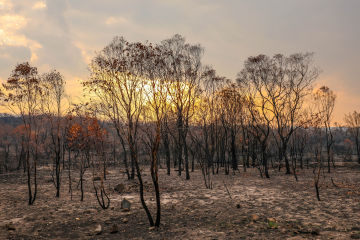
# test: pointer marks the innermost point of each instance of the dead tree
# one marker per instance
(231, 103)
(317, 153)
(285, 82)
(183, 65)
(23, 91)
(325, 102)
(52, 104)
(353, 123)
(124, 75)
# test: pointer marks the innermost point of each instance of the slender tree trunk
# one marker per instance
(192, 162)
(328, 159)
(81, 183)
(132, 176)
(265, 161)
(317, 191)
(57, 172)
(21, 157)
(233, 153)
(180, 143)
(28, 176)
(357, 143)
(125, 156)
(287, 164)
(186, 158)
(69, 173)
(35, 176)
(165, 138)
(155, 177)
(141, 190)
(179, 152)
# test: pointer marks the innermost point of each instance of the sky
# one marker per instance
(66, 34)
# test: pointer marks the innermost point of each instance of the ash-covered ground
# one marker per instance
(252, 208)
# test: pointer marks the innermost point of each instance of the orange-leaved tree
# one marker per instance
(22, 96)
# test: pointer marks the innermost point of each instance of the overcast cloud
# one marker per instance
(65, 34)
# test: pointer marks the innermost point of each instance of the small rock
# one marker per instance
(16, 220)
(271, 220)
(296, 238)
(272, 223)
(125, 205)
(10, 227)
(119, 188)
(98, 229)
(97, 178)
(88, 211)
(151, 228)
(49, 180)
(125, 220)
(355, 236)
(315, 231)
(114, 229)
(254, 217)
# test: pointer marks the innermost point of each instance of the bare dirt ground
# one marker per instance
(189, 210)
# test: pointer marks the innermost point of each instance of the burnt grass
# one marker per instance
(254, 207)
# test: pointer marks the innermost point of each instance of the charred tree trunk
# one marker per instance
(125, 156)
(186, 154)
(265, 160)
(284, 155)
(32, 195)
(165, 138)
(57, 174)
(155, 178)
(180, 143)
(81, 181)
(141, 190)
(69, 173)
(234, 160)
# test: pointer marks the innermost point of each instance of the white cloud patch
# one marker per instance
(10, 24)
(87, 51)
(115, 20)
(5, 5)
(39, 5)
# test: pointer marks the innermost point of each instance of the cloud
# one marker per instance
(115, 20)
(10, 24)
(5, 5)
(87, 51)
(65, 34)
(39, 5)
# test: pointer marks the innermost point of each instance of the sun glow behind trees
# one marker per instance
(136, 83)
(153, 92)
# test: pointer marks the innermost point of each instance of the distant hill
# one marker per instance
(9, 119)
